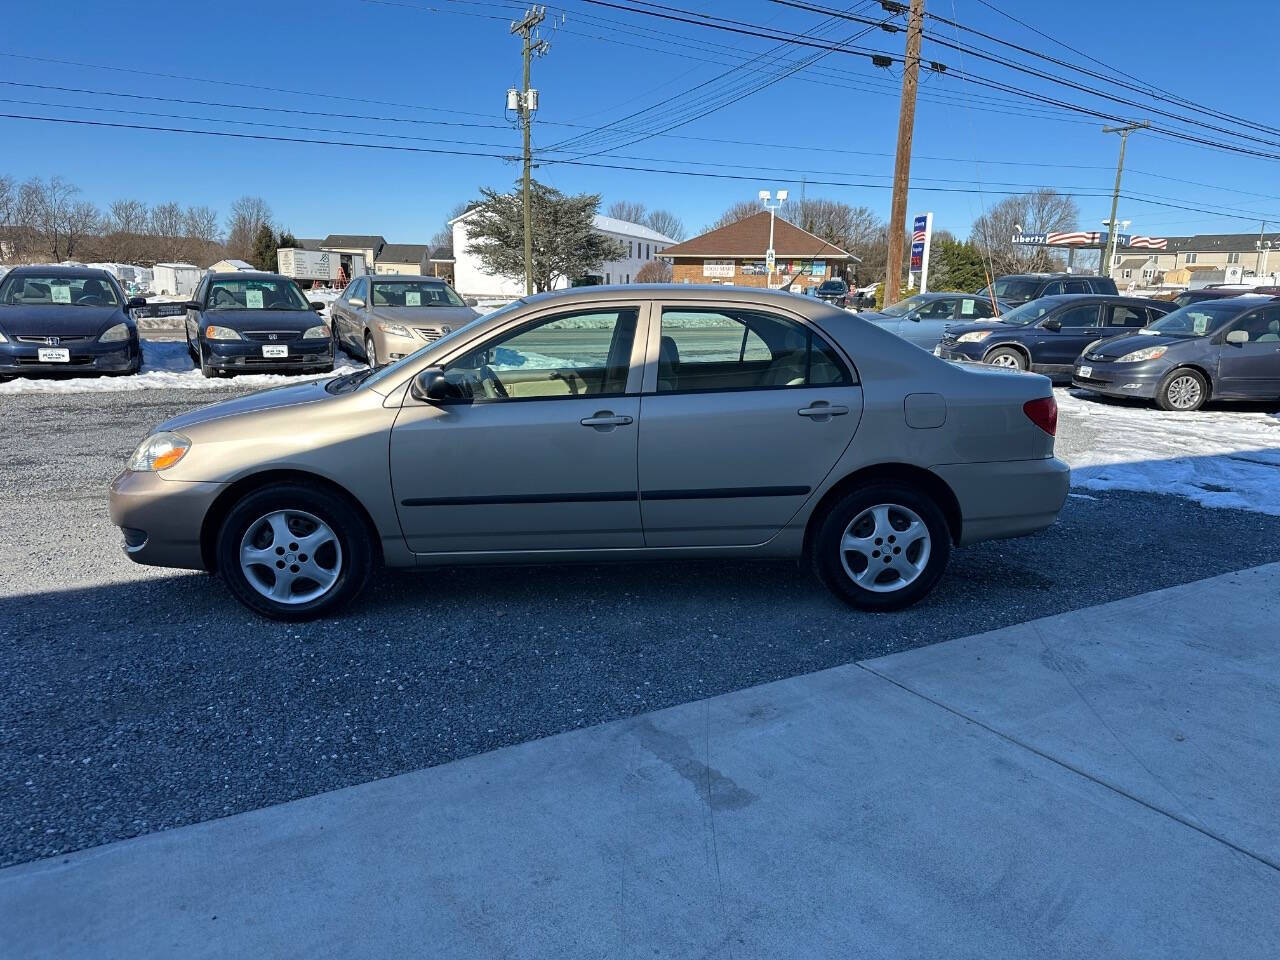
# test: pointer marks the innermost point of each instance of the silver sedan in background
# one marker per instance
(382, 318)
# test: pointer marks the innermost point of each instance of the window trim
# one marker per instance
(649, 386)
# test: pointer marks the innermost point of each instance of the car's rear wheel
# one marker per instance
(1008, 358)
(881, 547)
(1183, 390)
(370, 350)
(289, 552)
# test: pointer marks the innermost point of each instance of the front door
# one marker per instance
(744, 414)
(1251, 370)
(538, 450)
(1081, 325)
(926, 325)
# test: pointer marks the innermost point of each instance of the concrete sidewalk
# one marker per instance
(1098, 784)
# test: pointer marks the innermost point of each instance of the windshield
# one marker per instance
(391, 370)
(833, 286)
(37, 290)
(1027, 313)
(903, 307)
(1197, 319)
(265, 293)
(414, 293)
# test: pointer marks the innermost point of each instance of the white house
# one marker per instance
(471, 279)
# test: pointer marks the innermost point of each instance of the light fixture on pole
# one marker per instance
(1264, 250)
(1113, 241)
(772, 207)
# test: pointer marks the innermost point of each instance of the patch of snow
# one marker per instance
(1219, 458)
(167, 365)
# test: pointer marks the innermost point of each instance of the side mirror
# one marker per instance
(1054, 325)
(472, 302)
(136, 302)
(356, 302)
(1238, 337)
(317, 306)
(913, 316)
(432, 386)
(192, 305)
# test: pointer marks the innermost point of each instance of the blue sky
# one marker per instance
(450, 62)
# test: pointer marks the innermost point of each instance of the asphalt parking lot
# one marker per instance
(133, 700)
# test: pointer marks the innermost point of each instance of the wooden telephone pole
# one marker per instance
(902, 162)
(527, 102)
(1113, 228)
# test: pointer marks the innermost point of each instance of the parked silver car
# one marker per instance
(383, 318)
(606, 423)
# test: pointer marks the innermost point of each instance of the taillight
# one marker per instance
(1043, 413)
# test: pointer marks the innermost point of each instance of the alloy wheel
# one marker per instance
(290, 556)
(1184, 392)
(885, 548)
(1005, 360)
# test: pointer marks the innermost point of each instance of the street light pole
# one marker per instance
(770, 257)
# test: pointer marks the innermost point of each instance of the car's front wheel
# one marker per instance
(370, 350)
(1183, 391)
(291, 552)
(881, 547)
(1008, 358)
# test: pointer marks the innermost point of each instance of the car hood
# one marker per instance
(290, 395)
(451, 317)
(875, 316)
(58, 321)
(977, 326)
(243, 320)
(1117, 347)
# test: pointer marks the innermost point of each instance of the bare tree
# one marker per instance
(248, 216)
(739, 211)
(54, 218)
(667, 224)
(444, 236)
(200, 227)
(628, 210)
(655, 271)
(1043, 211)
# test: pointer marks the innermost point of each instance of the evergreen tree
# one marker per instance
(263, 254)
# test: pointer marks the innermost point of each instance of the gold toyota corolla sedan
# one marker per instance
(609, 423)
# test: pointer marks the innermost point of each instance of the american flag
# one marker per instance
(1072, 239)
(917, 237)
(1149, 243)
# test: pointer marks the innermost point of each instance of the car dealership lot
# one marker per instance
(136, 699)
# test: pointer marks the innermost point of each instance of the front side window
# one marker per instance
(742, 350)
(1261, 325)
(266, 293)
(1074, 317)
(52, 290)
(581, 354)
(937, 310)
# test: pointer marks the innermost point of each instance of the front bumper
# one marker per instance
(964, 352)
(23, 359)
(1009, 498)
(160, 519)
(243, 356)
(1118, 379)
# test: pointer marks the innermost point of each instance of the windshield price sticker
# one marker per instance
(412, 298)
(61, 292)
(253, 299)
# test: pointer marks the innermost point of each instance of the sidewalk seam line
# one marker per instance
(1072, 768)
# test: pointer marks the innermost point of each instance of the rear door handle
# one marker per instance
(605, 419)
(821, 410)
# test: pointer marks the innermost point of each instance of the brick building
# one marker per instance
(736, 254)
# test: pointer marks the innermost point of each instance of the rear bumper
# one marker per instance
(23, 359)
(245, 355)
(161, 519)
(1006, 499)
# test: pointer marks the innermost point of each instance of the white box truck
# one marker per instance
(175, 279)
(321, 266)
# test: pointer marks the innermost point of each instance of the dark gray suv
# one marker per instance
(1016, 288)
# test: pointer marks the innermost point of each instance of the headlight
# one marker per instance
(115, 334)
(1148, 353)
(318, 332)
(215, 332)
(973, 337)
(3, 338)
(159, 451)
(395, 329)
(1089, 348)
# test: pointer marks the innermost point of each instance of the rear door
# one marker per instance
(1252, 370)
(745, 411)
(1081, 325)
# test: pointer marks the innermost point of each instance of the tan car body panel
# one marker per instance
(969, 430)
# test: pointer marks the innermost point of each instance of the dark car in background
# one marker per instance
(924, 318)
(1018, 288)
(66, 320)
(1188, 297)
(248, 322)
(1226, 349)
(834, 291)
(1046, 335)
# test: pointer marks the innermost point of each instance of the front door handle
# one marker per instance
(606, 419)
(822, 411)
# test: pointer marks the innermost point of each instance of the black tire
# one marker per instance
(1006, 357)
(205, 368)
(1182, 391)
(352, 561)
(828, 558)
(370, 350)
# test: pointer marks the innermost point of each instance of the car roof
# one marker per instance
(248, 275)
(1101, 297)
(57, 270)
(394, 277)
(727, 293)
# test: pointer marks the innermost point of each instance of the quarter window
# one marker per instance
(742, 350)
(580, 354)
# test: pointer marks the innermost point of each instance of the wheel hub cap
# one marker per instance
(290, 556)
(1184, 392)
(885, 548)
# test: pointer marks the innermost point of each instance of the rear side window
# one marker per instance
(1122, 316)
(703, 350)
(1052, 289)
(1082, 316)
(1077, 286)
(973, 307)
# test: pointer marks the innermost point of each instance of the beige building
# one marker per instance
(1235, 254)
(403, 258)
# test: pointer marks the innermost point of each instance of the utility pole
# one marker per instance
(1257, 267)
(902, 162)
(527, 102)
(1112, 233)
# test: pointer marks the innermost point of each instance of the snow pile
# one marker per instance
(165, 365)
(1218, 458)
